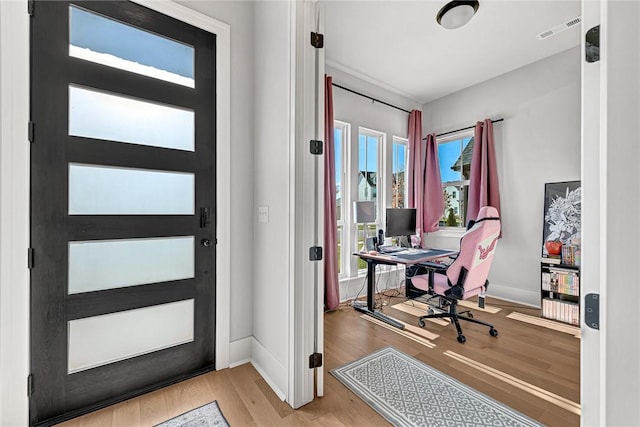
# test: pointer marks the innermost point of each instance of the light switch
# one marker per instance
(263, 214)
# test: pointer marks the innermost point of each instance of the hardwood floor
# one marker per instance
(532, 369)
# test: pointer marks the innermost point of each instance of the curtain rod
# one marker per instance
(370, 97)
(461, 129)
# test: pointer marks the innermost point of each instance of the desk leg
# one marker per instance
(371, 294)
(371, 285)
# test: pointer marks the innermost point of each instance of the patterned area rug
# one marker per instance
(208, 415)
(406, 392)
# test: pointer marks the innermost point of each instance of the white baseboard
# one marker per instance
(249, 350)
(269, 368)
(240, 352)
(509, 293)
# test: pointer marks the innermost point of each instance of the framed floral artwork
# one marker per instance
(562, 214)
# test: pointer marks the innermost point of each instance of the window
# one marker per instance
(104, 40)
(398, 172)
(370, 145)
(454, 156)
(367, 168)
(341, 133)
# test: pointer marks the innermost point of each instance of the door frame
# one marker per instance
(306, 323)
(592, 390)
(14, 195)
(610, 107)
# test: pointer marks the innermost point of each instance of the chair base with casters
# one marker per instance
(454, 316)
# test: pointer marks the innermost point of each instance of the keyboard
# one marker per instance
(413, 254)
(390, 249)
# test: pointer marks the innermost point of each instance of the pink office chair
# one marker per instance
(467, 275)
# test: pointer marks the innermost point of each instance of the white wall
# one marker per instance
(272, 80)
(239, 15)
(359, 111)
(14, 217)
(538, 142)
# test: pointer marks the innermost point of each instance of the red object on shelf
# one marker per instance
(554, 247)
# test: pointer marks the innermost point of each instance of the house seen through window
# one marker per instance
(454, 156)
(398, 173)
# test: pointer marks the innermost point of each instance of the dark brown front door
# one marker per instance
(122, 202)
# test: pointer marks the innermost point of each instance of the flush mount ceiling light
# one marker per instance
(457, 13)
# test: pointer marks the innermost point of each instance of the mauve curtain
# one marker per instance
(434, 197)
(424, 184)
(483, 186)
(415, 184)
(331, 285)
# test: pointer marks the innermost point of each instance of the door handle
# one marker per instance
(206, 243)
(205, 217)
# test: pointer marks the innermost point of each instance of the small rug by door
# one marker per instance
(208, 415)
(406, 392)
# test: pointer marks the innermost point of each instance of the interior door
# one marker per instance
(591, 347)
(122, 202)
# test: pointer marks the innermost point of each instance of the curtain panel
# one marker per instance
(415, 182)
(433, 195)
(331, 284)
(424, 191)
(483, 186)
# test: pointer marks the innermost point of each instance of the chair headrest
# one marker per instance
(487, 212)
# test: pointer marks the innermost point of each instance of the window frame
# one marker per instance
(357, 265)
(398, 140)
(349, 152)
(345, 214)
(464, 182)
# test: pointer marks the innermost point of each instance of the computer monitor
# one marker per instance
(401, 222)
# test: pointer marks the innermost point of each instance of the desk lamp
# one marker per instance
(364, 212)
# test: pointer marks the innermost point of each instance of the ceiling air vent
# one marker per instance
(559, 28)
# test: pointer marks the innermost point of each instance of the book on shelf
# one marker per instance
(571, 255)
(563, 311)
(552, 259)
(561, 281)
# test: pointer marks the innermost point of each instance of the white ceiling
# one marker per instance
(399, 46)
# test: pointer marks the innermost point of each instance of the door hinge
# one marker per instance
(30, 131)
(592, 310)
(30, 7)
(317, 40)
(315, 146)
(592, 44)
(30, 385)
(315, 361)
(30, 258)
(315, 253)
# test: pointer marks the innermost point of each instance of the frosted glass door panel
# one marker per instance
(106, 264)
(102, 40)
(105, 190)
(99, 340)
(112, 117)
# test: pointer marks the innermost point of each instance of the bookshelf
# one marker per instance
(560, 264)
(560, 290)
